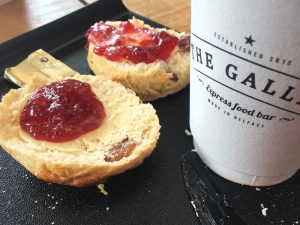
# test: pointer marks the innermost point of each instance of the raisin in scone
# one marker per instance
(77, 131)
(152, 62)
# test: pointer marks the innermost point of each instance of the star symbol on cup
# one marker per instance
(249, 40)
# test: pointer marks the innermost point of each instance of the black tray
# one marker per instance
(153, 193)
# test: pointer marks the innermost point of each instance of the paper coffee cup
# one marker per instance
(245, 89)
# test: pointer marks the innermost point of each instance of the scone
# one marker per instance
(152, 62)
(127, 134)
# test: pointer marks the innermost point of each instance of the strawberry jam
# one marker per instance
(129, 42)
(62, 111)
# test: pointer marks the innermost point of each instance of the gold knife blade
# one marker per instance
(37, 68)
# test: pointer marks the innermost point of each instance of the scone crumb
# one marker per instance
(263, 210)
(188, 133)
(102, 189)
(195, 208)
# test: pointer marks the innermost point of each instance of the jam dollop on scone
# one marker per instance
(152, 62)
(62, 111)
(77, 131)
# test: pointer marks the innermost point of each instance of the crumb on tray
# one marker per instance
(188, 133)
(102, 189)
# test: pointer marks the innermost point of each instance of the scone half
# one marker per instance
(150, 81)
(130, 130)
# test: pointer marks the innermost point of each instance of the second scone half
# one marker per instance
(150, 79)
(85, 160)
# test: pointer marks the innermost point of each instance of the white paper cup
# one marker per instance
(245, 89)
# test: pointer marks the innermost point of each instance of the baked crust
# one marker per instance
(81, 162)
(149, 81)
